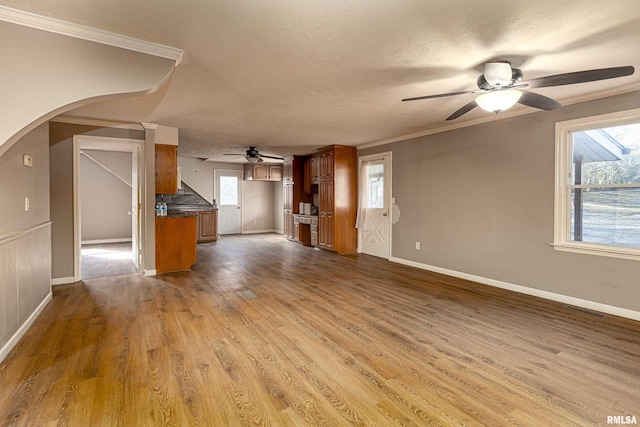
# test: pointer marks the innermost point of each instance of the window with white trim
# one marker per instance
(597, 200)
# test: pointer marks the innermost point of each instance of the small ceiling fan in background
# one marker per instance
(499, 87)
(252, 155)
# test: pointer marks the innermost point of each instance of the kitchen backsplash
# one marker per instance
(185, 198)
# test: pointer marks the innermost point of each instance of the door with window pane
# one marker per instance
(376, 238)
(228, 186)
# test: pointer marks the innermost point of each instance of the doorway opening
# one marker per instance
(108, 180)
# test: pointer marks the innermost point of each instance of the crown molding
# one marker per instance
(147, 125)
(97, 123)
(83, 32)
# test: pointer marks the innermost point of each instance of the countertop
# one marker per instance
(189, 208)
(178, 215)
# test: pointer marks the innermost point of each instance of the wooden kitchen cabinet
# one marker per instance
(325, 213)
(207, 226)
(326, 160)
(332, 173)
(262, 172)
(305, 229)
(314, 168)
(287, 196)
(175, 243)
(166, 169)
(338, 197)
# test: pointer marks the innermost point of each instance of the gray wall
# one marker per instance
(105, 200)
(61, 185)
(480, 200)
(25, 236)
(259, 198)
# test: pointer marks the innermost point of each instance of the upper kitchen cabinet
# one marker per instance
(326, 163)
(263, 172)
(166, 169)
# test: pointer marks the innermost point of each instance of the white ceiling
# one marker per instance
(289, 76)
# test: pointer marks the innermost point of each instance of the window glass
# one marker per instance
(228, 190)
(608, 155)
(375, 177)
(610, 216)
(602, 192)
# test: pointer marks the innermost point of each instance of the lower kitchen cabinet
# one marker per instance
(175, 243)
(207, 226)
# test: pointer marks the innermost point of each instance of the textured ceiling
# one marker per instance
(288, 76)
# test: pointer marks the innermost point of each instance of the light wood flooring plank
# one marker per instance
(266, 332)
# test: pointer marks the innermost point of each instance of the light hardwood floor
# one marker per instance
(106, 259)
(267, 332)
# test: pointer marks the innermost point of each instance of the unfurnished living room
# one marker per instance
(325, 213)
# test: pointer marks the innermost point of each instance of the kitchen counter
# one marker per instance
(189, 208)
(305, 229)
(177, 214)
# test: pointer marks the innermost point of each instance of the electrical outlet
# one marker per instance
(26, 204)
(418, 246)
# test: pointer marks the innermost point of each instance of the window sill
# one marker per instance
(601, 250)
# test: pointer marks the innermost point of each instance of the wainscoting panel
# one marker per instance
(25, 283)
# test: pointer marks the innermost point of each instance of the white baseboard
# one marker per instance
(4, 351)
(259, 231)
(62, 281)
(101, 241)
(150, 273)
(578, 302)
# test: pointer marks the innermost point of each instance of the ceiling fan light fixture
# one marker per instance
(498, 100)
(498, 73)
(252, 159)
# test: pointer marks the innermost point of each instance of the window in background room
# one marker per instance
(598, 185)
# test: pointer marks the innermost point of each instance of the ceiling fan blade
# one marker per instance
(535, 100)
(271, 157)
(234, 154)
(581, 77)
(442, 95)
(464, 110)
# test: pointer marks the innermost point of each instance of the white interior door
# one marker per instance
(229, 195)
(376, 238)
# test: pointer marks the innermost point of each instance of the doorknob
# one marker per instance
(129, 213)
(385, 214)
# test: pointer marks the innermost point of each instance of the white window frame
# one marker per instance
(563, 179)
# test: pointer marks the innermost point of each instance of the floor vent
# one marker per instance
(247, 294)
(585, 311)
